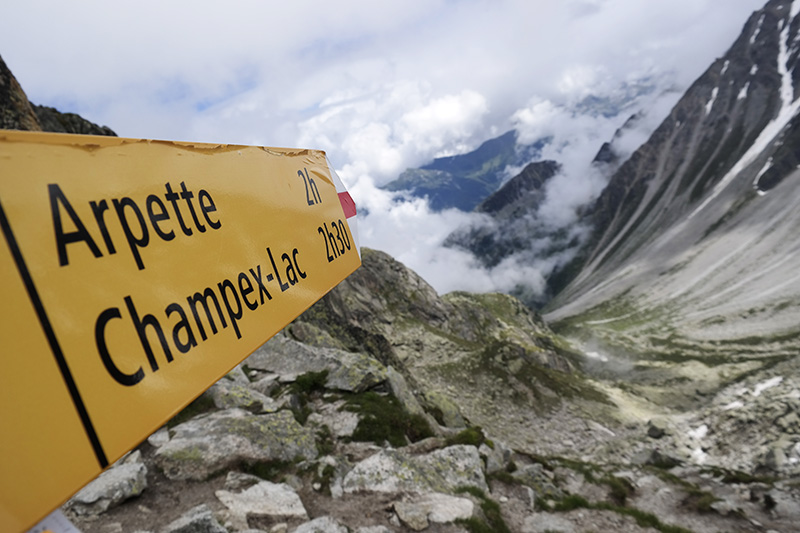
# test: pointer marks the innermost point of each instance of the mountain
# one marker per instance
(693, 254)
(16, 112)
(513, 230)
(462, 181)
(658, 392)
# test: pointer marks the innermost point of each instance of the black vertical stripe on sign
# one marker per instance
(33, 294)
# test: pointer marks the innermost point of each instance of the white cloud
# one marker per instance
(388, 128)
(378, 89)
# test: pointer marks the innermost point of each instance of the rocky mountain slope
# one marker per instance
(694, 253)
(387, 408)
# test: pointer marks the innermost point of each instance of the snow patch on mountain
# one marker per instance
(757, 30)
(710, 104)
(765, 385)
(788, 111)
(743, 91)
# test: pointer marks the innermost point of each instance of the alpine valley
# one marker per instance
(654, 388)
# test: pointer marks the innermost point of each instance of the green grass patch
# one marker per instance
(273, 471)
(504, 477)
(643, 519)
(310, 383)
(491, 511)
(621, 489)
(306, 386)
(325, 478)
(737, 476)
(700, 500)
(572, 502)
(472, 436)
(384, 419)
(325, 441)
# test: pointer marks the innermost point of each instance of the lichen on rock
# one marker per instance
(210, 443)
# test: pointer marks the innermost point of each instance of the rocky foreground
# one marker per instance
(387, 408)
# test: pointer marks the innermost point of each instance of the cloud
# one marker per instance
(407, 229)
(379, 89)
(388, 128)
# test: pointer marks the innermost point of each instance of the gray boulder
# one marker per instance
(547, 523)
(534, 476)
(451, 415)
(418, 512)
(227, 394)
(342, 423)
(210, 443)
(440, 471)
(323, 524)
(400, 389)
(263, 501)
(124, 480)
(198, 519)
(347, 371)
(497, 457)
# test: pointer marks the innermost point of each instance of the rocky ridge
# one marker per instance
(694, 235)
(18, 113)
(351, 419)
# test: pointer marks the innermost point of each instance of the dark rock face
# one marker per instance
(524, 189)
(513, 224)
(16, 112)
(53, 120)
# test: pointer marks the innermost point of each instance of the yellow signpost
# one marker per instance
(135, 274)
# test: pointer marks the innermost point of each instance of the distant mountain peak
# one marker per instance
(463, 181)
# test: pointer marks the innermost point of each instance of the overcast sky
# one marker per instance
(380, 86)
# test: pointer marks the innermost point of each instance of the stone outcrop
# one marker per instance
(211, 443)
(448, 346)
(441, 471)
(16, 112)
(199, 519)
(125, 479)
(264, 501)
(418, 512)
(53, 120)
(346, 371)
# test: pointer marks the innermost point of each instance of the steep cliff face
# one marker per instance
(16, 112)
(694, 250)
